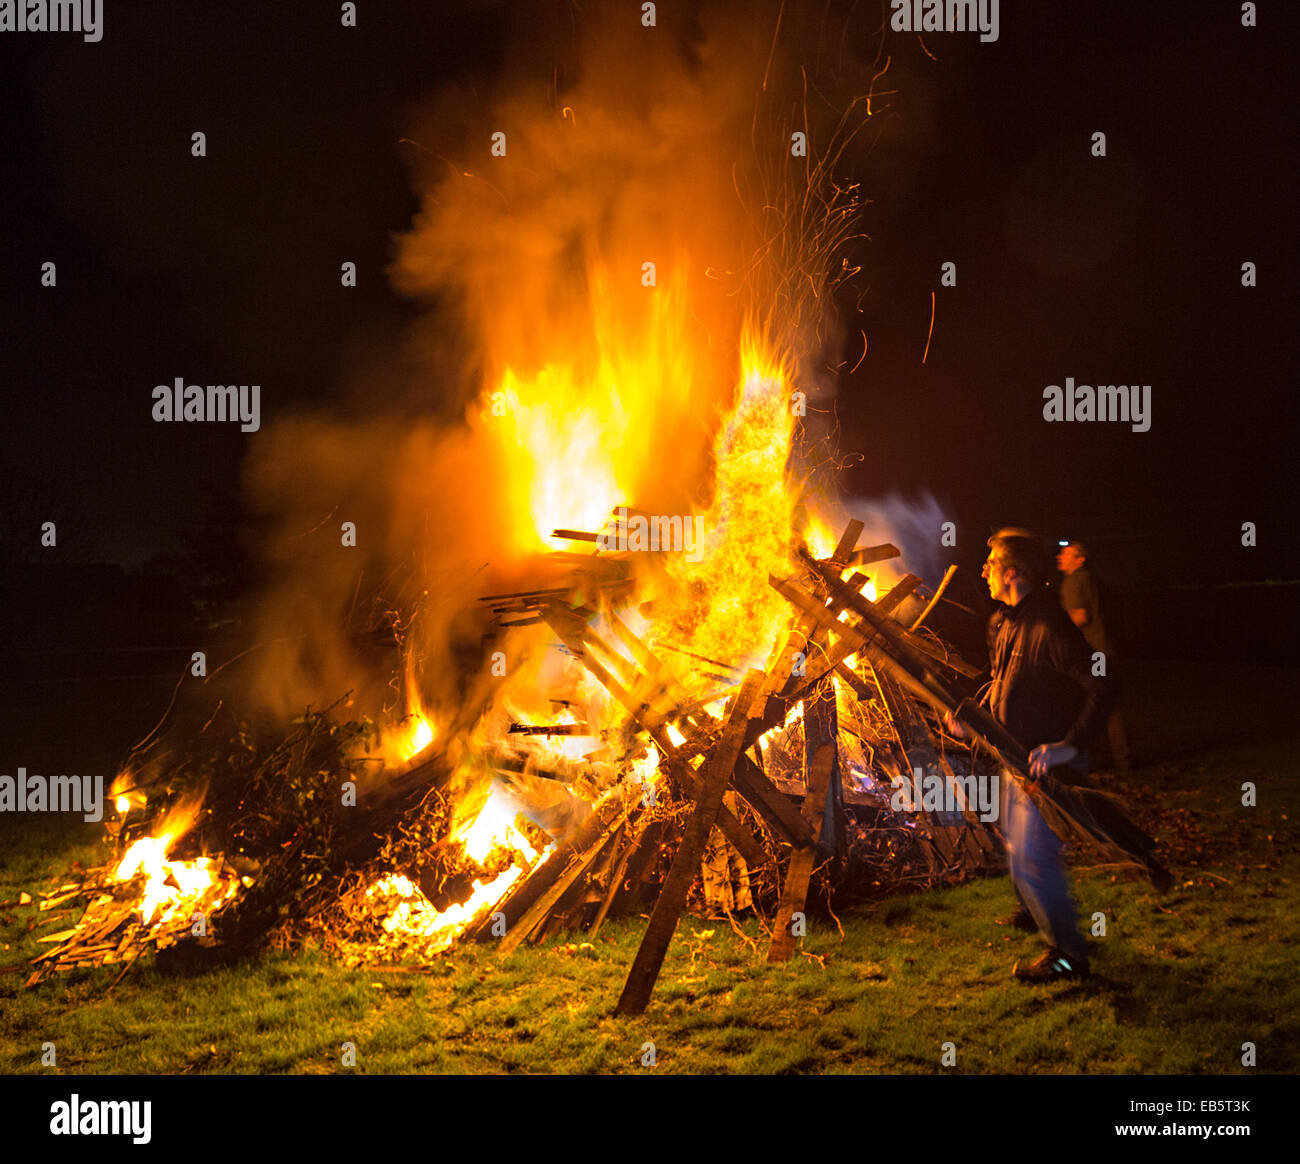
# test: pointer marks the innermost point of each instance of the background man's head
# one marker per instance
(1071, 557)
(1017, 565)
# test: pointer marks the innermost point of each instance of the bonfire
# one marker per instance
(648, 657)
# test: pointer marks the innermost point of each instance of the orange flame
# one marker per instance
(413, 915)
(173, 889)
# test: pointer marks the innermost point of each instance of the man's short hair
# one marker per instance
(1083, 550)
(1023, 551)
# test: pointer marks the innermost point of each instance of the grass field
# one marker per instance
(1180, 982)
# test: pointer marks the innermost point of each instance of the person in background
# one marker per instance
(1081, 599)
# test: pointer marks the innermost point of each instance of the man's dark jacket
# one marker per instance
(1043, 689)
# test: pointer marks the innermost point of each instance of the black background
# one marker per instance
(1117, 270)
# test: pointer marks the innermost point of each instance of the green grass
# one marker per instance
(1180, 982)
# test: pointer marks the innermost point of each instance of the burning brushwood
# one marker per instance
(673, 772)
(145, 903)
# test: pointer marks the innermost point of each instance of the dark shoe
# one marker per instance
(1022, 919)
(1052, 966)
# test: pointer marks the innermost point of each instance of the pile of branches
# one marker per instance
(272, 833)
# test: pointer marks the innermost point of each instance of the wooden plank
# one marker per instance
(848, 539)
(630, 673)
(519, 594)
(616, 881)
(668, 908)
(732, 827)
(952, 662)
(822, 729)
(901, 713)
(902, 589)
(818, 766)
(788, 653)
(771, 803)
(639, 877)
(645, 657)
(536, 916)
(817, 615)
(793, 898)
(861, 688)
(821, 720)
(920, 748)
(869, 554)
(571, 632)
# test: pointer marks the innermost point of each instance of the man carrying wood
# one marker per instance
(1044, 693)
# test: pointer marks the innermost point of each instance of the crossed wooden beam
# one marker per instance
(801, 670)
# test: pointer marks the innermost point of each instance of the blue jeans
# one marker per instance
(1037, 876)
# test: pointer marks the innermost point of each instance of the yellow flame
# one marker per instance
(494, 825)
(413, 732)
(412, 914)
(821, 539)
(562, 440)
(722, 607)
(421, 736)
(172, 888)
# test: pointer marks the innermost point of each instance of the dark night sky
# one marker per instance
(1114, 271)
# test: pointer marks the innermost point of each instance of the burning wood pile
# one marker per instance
(145, 902)
(140, 903)
(775, 773)
(732, 695)
(722, 762)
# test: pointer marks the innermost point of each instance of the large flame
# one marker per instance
(569, 470)
(722, 607)
(582, 433)
(562, 437)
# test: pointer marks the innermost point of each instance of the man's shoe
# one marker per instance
(1022, 919)
(1052, 966)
